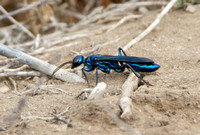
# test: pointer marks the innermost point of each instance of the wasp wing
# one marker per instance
(127, 59)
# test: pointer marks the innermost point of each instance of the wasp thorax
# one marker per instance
(77, 61)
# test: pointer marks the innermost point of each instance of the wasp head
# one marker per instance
(77, 61)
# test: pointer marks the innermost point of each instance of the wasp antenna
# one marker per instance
(59, 67)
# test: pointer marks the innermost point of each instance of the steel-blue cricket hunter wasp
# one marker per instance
(107, 62)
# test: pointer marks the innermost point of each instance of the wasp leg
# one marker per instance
(138, 76)
(86, 69)
(85, 77)
(121, 51)
(97, 77)
(120, 54)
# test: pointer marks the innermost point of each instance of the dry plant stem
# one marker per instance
(37, 41)
(14, 70)
(75, 14)
(57, 117)
(36, 118)
(49, 41)
(65, 111)
(31, 73)
(114, 11)
(23, 9)
(151, 27)
(44, 118)
(126, 105)
(118, 121)
(44, 50)
(39, 65)
(123, 20)
(2, 62)
(17, 23)
(64, 39)
(14, 85)
(33, 90)
(51, 88)
(98, 91)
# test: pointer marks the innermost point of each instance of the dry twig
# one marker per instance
(14, 85)
(56, 117)
(51, 88)
(2, 62)
(9, 74)
(17, 23)
(151, 27)
(44, 50)
(127, 90)
(123, 20)
(114, 11)
(40, 65)
(98, 91)
(14, 70)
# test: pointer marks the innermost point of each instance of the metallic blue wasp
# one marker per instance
(107, 62)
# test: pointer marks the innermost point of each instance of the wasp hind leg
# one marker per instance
(121, 51)
(138, 76)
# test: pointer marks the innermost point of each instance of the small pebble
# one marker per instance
(4, 89)
(143, 10)
(190, 8)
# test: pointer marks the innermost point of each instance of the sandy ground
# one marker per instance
(170, 107)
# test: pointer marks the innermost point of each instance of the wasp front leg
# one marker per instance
(88, 70)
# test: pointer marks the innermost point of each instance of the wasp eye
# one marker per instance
(77, 61)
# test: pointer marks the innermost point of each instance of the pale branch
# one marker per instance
(75, 14)
(55, 117)
(35, 118)
(14, 70)
(31, 73)
(125, 103)
(123, 20)
(37, 41)
(14, 85)
(51, 88)
(6, 61)
(39, 65)
(114, 11)
(49, 41)
(44, 50)
(64, 39)
(65, 111)
(17, 23)
(33, 90)
(151, 27)
(98, 91)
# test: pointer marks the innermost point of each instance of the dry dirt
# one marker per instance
(170, 107)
